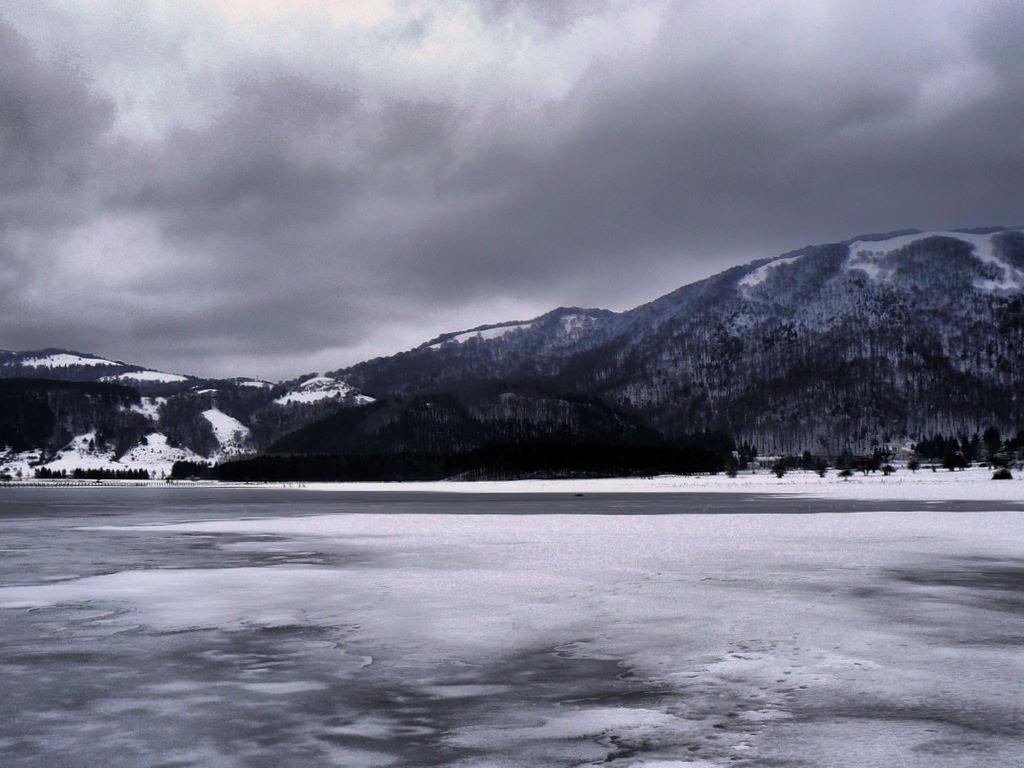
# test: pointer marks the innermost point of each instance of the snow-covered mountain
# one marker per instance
(827, 347)
(62, 410)
(68, 365)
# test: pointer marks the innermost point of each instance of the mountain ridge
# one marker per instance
(829, 349)
(742, 340)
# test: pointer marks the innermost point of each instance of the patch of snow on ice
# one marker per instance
(285, 688)
(156, 377)
(760, 274)
(634, 723)
(64, 360)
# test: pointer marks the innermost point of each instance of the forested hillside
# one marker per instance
(827, 348)
(851, 348)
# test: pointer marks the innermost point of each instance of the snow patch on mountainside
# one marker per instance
(155, 454)
(149, 377)
(149, 407)
(761, 274)
(868, 256)
(82, 453)
(64, 360)
(232, 434)
(17, 464)
(577, 324)
(322, 388)
(482, 334)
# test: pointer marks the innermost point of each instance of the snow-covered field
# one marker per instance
(975, 483)
(258, 627)
(972, 484)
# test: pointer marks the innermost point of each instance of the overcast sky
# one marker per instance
(271, 187)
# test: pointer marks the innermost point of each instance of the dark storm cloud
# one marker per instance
(50, 124)
(256, 168)
(725, 157)
(324, 210)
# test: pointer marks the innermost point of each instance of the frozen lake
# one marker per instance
(233, 627)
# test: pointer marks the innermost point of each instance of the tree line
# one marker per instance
(42, 473)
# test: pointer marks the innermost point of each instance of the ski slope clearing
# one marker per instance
(65, 360)
(320, 388)
(148, 377)
(232, 435)
(759, 275)
(869, 257)
(481, 334)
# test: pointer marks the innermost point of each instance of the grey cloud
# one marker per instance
(50, 125)
(311, 215)
(553, 14)
(269, 158)
(699, 164)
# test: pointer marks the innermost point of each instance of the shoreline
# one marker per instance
(971, 484)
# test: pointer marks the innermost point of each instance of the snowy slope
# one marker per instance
(872, 258)
(484, 333)
(156, 454)
(158, 377)
(153, 454)
(64, 360)
(761, 274)
(322, 388)
(232, 435)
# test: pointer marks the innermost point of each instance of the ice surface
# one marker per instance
(305, 629)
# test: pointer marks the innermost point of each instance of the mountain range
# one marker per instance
(829, 349)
